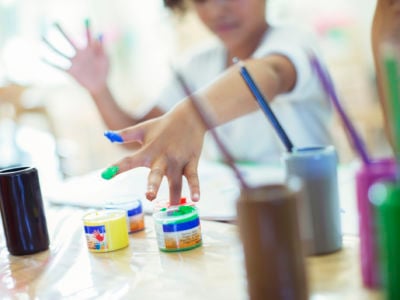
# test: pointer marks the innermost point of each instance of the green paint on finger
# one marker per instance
(110, 172)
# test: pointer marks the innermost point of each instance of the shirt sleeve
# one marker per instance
(296, 45)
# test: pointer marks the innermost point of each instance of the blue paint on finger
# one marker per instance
(113, 137)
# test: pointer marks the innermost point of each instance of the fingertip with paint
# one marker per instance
(110, 172)
(151, 192)
(113, 136)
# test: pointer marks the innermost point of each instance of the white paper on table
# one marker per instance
(218, 185)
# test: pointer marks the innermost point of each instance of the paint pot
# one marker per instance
(134, 211)
(316, 167)
(178, 228)
(106, 230)
(269, 228)
(366, 176)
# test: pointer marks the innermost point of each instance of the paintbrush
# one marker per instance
(262, 102)
(330, 91)
(210, 126)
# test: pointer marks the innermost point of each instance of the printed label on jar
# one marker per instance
(96, 237)
(179, 236)
(136, 222)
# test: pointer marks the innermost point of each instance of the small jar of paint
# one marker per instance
(134, 211)
(106, 230)
(178, 228)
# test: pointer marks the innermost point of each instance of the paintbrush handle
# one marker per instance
(266, 109)
(210, 126)
(330, 91)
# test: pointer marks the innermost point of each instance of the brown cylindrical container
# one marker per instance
(269, 229)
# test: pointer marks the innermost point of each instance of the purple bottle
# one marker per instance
(366, 176)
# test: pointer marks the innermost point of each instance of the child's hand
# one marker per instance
(89, 65)
(170, 146)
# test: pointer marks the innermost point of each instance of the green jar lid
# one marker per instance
(176, 214)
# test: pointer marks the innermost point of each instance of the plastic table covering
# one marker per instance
(141, 271)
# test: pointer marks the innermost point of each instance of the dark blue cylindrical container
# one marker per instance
(22, 211)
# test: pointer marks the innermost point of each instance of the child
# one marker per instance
(171, 143)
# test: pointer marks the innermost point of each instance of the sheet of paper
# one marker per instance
(219, 190)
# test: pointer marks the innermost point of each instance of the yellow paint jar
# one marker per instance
(106, 230)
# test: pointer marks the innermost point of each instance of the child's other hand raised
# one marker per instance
(89, 65)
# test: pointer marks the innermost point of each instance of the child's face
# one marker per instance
(233, 21)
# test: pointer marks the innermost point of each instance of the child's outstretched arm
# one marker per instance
(171, 144)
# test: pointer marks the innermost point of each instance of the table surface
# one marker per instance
(213, 271)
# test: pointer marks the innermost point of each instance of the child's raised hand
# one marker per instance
(89, 65)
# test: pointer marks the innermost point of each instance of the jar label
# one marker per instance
(96, 237)
(179, 235)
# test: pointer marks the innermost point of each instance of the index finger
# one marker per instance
(127, 135)
(174, 176)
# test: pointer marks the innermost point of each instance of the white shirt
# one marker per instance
(304, 112)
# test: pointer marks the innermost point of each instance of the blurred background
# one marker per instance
(46, 118)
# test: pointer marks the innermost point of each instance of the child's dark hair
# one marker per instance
(178, 6)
